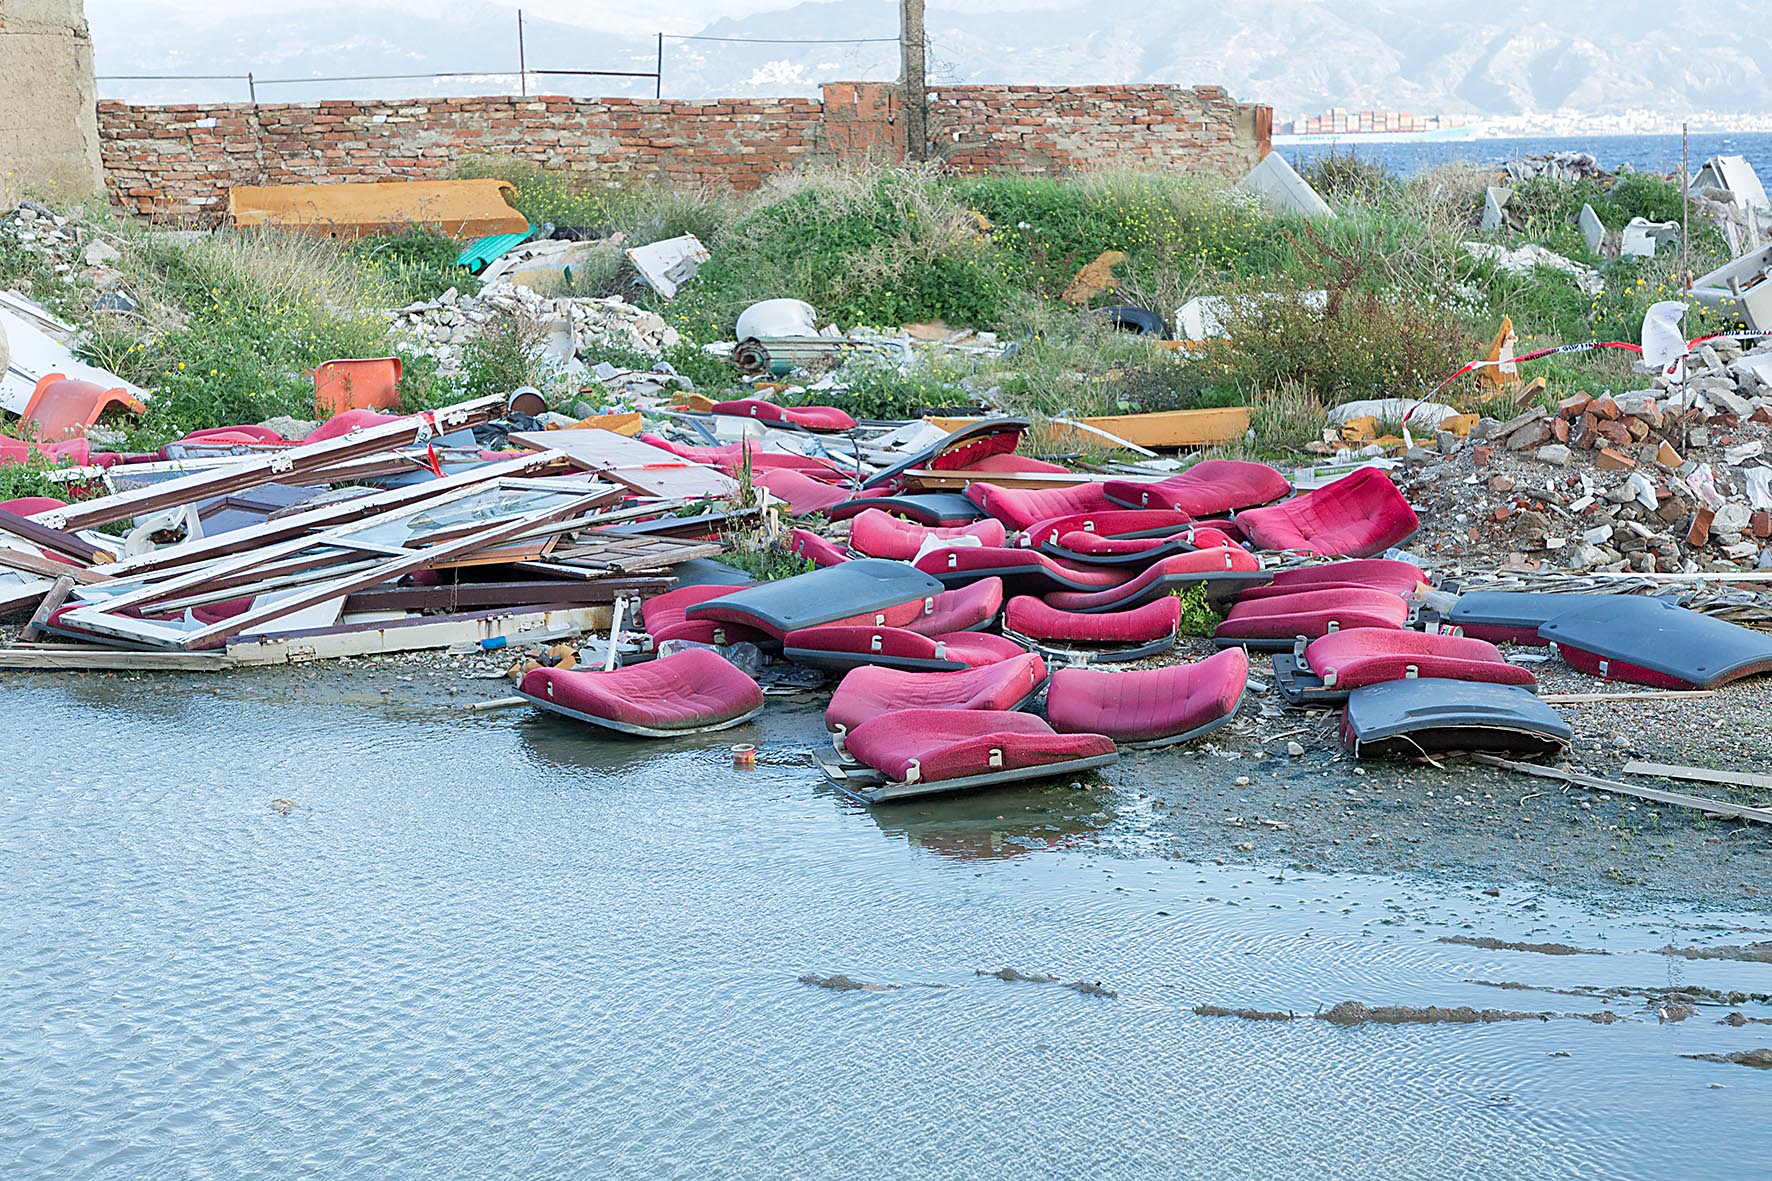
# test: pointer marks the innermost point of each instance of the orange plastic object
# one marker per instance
(460, 208)
(372, 383)
(62, 407)
(622, 424)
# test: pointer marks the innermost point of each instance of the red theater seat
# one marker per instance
(870, 691)
(688, 693)
(882, 535)
(1152, 706)
(1210, 487)
(1356, 516)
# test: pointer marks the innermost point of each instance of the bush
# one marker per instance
(1345, 178)
(415, 266)
(879, 248)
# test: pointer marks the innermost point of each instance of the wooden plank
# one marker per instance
(530, 592)
(46, 537)
(34, 563)
(1699, 774)
(59, 590)
(417, 634)
(263, 469)
(474, 208)
(637, 465)
(1678, 799)
(1166, 429)
(92, 658)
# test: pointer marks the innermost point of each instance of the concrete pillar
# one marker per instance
(48, 103)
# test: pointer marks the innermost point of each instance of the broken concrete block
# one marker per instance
(1556, 454)
(1666, 456)
(1606, 406)
(1615, 461)
(1639, 430)
(1593, 231)
(1279, 185)
(1534, 434)
(1559, 430)
(669, 264)
(1495, 199)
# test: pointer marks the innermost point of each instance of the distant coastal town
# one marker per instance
(1370, 126)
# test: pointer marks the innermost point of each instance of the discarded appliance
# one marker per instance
(1279, 185)
(1642, 238)
(669, 264)
(459, 208)
(777, 317)
(1203, 317)
(1738, 290)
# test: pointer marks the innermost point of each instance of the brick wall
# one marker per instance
(1040, 130)
(180, 160)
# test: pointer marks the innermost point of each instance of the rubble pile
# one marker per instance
(67, 246)
(1673, 478)
(442, 327)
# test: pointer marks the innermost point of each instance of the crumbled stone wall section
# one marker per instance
(178, 161)
(1053, 130)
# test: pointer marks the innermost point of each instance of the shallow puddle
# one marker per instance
(493, 944)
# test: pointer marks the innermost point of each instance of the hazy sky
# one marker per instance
(671, 16)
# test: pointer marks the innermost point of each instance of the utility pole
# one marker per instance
(913, 81)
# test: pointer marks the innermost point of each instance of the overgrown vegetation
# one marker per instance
(231, 325)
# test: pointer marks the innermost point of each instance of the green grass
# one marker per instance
(231, 327)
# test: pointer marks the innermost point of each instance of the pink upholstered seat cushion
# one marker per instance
(1209, 488)
(962, 608)
(664, 618)
(816, 549)
(897, 644)
(730, 458)
(1176, 567)
(813, 418)
(683, 692)
(957, 744)
(1200, 537)
(803, 493)
(870, 691)
(1031, 617)
(1368, 656)
(1356, 516)
(1399, 578)
(346, 421)
(1312, 613)
(1021, 563)
(1147, 705)
(1014, 463)
(1020, 507)
(1113, 522)
(882, 535)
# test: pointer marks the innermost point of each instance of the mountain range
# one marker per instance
(1669, 57)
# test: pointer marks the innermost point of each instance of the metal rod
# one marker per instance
(1685, 211)
(522, 60)
(658, 71)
